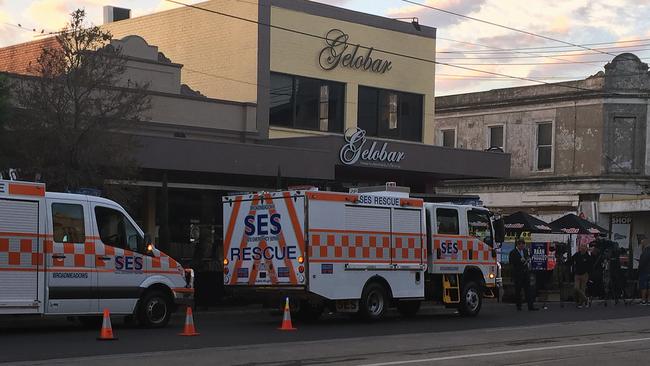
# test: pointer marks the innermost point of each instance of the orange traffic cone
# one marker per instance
(286, 319)
(189, 329)
(106, 334)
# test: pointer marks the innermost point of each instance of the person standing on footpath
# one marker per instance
(644, 272)
(582, 264)
(520, 261)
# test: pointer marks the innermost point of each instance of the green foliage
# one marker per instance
(4, 100)
(75, 110)
(5, 147)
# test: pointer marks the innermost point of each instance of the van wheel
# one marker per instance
(470, 300)
(154, 309)
(91, 322)
(408, 308)
(374, 301)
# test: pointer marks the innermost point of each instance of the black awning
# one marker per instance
(523, 222)
(573, 224)
(233, 158)
(320, 158)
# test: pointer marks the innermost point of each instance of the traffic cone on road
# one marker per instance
(106, 334)
(286, 319)
(189, 329)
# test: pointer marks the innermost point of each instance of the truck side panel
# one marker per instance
(21, 257)
(349, 243)
(264, 241)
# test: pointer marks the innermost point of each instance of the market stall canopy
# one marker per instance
(523, 222)
(573, 224)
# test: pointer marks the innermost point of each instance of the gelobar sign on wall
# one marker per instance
(359, 150)
(338, 53)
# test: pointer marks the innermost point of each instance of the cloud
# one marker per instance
(435, 18)
(50, 14)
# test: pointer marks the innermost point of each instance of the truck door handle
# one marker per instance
(104, 258)
(58, 256)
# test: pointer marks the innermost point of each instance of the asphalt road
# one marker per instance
(436, 336)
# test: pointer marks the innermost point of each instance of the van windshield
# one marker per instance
(479, 226)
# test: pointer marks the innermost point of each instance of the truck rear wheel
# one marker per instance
(374, 301)
(470, 300)
(408, 308)
(154, 309)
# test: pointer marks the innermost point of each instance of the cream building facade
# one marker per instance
(229, 52)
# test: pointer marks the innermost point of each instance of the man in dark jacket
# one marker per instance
(582, 264)
(644, 272)
(520, 262)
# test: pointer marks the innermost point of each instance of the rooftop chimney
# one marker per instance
(114, 14)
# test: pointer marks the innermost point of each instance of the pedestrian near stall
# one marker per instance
(582, 264)
(520, 261)
(644, 273)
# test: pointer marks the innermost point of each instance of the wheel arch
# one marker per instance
(473, 274)
(157, 286)
(381, 280)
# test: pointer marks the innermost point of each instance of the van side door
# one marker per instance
(121, 260)
(70, 258)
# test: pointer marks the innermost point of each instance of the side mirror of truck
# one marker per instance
(499, 231)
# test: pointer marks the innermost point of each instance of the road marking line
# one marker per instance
(483, 354)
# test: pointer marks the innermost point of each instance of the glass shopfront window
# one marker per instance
(306, 103)
(390, 114)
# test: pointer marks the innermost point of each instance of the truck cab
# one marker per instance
(462, 254)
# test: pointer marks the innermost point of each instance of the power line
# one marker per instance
(382, 50)
(539, 77)
(505, 27)
(20, 26)
(545, 47)
(528, 63)
(520, 52)
(509, 57)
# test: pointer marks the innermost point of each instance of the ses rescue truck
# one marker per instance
(360, 252)
(75, 255)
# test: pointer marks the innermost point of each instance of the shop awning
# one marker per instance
(320, 158)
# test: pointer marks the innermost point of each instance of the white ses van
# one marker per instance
(76, 255)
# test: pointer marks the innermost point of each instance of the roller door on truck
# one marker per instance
(21, 256)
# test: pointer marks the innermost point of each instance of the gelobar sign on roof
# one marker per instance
(338, 53)
(359, 150)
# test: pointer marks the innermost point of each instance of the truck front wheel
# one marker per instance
(154, 309)
(470, 300)
(374, 301)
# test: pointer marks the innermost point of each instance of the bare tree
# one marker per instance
(5, 150)
(74, 109)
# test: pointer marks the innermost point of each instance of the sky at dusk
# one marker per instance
(610, 27)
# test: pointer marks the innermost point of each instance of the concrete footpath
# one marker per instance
(613, 341)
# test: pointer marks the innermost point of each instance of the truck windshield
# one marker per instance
(480, 227)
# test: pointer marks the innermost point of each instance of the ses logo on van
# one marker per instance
(268, 253)
(127, 263)
(262, 224)
(263, 227)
